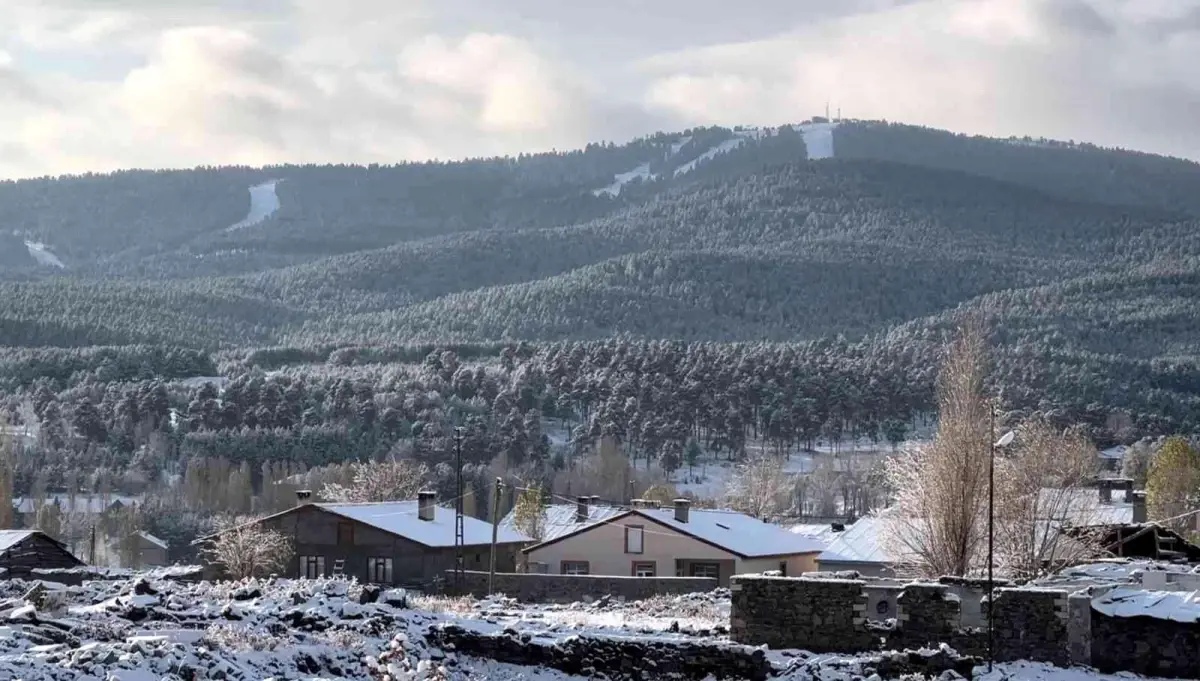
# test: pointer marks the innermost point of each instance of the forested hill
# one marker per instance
(1085, 259)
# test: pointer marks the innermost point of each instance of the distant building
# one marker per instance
(22, 551)
(395, 542)
(679, 541)
(138, 550)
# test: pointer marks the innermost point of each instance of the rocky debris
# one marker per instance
(608, 658)
(942, 663)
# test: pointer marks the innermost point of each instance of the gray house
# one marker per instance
(395, 542)
(22, 551)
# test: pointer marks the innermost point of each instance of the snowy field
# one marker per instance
(143, 629)
(43, 256)
(263, 203)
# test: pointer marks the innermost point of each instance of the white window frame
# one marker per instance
(645, 568)
(716, 570)
(380, 570)
(638, 546)
(576, 567)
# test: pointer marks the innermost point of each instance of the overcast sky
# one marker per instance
(105, 84)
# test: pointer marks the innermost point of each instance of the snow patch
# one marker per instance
(722, 148)
(641, 172)
(263, 203)
(818, 137)
(38, 252)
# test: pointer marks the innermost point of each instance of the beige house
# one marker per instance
(673, 542)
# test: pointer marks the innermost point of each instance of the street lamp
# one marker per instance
(1004, 441)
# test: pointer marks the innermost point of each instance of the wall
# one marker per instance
(572, 588)
(795, 565)
(603, 547)
(819, 615)
(1145, 645)
(863, 569)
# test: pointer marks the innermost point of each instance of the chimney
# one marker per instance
(302, 496)
(838, 527)
(1127, 485)
(425, 505)
(681, 510)
(1139, 507)
(1105, 492)
(581, 509)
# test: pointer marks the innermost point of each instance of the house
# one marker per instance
(22, 551)
(393, 542)
(679, 541)
(560, 519)
(861, 547)
(26, 508)
(138, 550)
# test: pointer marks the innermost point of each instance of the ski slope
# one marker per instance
(44, 257)
(722, 148)
(641, 172)
(263, 204)
(818, 137)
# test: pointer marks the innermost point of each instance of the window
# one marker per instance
(644, 569)
(634, 538)
(345, 533)
(379, 570)
(312, 567)
(882, 607)
(575, 567)
(706, 570)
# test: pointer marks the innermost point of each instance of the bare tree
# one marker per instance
(6, 476)
(759, 486)
(1044, 493)
(941, 487)
(529, 514)
(380, 481)
(249, 550)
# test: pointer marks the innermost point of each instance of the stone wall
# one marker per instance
(1150, 646)
(536, 588)
(608, 658)
(819, 615)
(1031, 624)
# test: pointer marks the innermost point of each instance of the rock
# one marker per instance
(246, 593)
(397, 598)
(370, 594)
(142, 587)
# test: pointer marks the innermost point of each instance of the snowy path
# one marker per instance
(818, 137)
(263, 203)
(724, 147)
(619, 181)
(44, 257)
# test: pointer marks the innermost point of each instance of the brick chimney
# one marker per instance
(681, 510)
(425, 505)
(302, 496)
(581, 509)
(1139, 507)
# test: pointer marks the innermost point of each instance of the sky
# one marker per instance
(98, 85)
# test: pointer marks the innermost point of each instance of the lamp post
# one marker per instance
(1004, 441)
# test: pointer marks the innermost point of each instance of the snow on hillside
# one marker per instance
(263, 203)
(641, 172)
(818, 137)
(44, 257)
(722, 148)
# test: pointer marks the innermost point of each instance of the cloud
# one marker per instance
(114, 83)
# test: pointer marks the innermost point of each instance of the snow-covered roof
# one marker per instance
(1180, 606)
(822, 532)
(10, 538)
(736, 532)
(1117, 452)
(1083, 507)
(400, 518)
(85, 503)
(560, 519)
(153, 540)
(859, 543)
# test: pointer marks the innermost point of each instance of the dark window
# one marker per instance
(345, 533)
(575, 567)
(882, 607)
(705, 570)
(783, 568)
(635, 537)
(644, 569)
(312, 567)
(379, 570)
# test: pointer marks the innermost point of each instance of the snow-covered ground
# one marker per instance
(641, 172)
(818, 137)
(263, 203)
(150, 629)
(722, 148)
(42, 255)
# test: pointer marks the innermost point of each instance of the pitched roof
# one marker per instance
(822, 532)
(859, 543)
(152, 539)
(560, 519)
(400, 518)
(10, 538)
(737, 533)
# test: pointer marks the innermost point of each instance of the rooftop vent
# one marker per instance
(425, 505)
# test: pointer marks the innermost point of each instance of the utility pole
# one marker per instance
(495, 531)
(92, 546)
(458, 513)
(991, 535)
